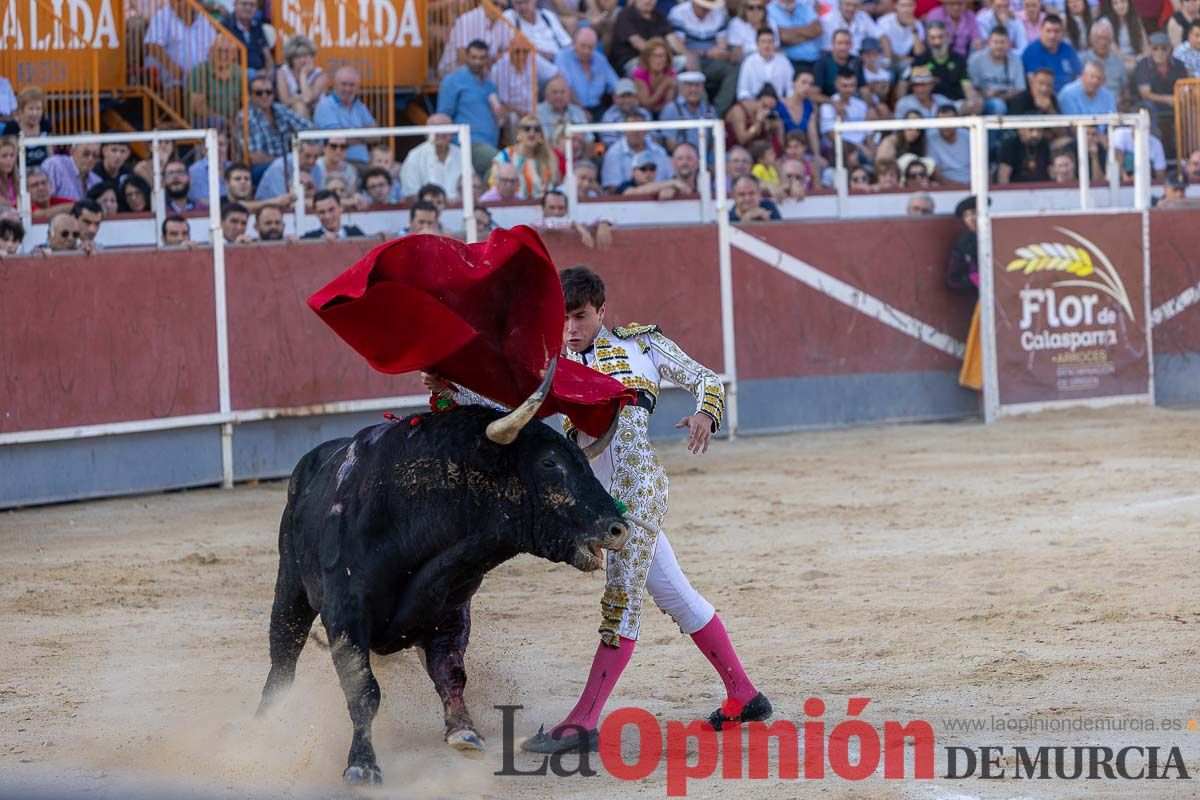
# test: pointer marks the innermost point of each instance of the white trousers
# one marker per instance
(673, 593)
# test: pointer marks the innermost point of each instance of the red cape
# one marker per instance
(487, 316)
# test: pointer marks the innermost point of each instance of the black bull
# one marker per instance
(387, 535)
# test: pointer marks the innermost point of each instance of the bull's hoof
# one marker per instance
(466, 741)
(363, 775)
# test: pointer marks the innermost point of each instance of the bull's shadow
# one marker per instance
(388, 534)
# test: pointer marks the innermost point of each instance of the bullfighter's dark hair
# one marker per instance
(581, 287)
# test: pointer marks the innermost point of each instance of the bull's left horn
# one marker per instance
(505, 429)
(593, 450)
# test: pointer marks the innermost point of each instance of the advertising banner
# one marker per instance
(385, 40)
(49, 43)
(1071, 308)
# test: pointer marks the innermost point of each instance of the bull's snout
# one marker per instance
(618, 533)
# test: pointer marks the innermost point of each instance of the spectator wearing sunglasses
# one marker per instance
(333, 164)
(272, 126)
(916, 171)
(618, 159)
(63, 234)
(531, 156)
(645, 182)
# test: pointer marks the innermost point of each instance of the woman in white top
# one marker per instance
(743, 29)
(300, 83)
(901, 34)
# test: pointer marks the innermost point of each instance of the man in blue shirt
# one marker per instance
(587, 71)
(799, 30)
(341, 108)
(1052, 52)
(1088, 94)
(469, 97)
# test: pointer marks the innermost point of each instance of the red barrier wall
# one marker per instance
(786, 329)
(666, 276)
(1174, 266)
(106, 338)
(280, 353)
(131, 335)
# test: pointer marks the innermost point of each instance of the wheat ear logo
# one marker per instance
(1073, 260)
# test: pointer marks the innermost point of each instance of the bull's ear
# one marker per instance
(593, 450)
(505, 429)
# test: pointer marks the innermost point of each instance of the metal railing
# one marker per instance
(464, 144)
(224, 416)
(200, 81)
(703, 184)
(209, 137)
(977, 130)
(69, 71)
(977, 126)
(1187, 117)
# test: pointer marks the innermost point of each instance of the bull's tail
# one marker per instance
(291, 614)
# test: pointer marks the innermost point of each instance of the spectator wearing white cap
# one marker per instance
(689, 103)
(625, 102)
(765, 66)
(618, 159)
(700, 33)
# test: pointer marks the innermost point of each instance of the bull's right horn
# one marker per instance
(505, 429)
(597, 447)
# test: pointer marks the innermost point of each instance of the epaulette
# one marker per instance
(634, 329)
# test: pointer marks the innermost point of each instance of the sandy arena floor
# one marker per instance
(1041, 569)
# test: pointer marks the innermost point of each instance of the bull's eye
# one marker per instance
(549, 463)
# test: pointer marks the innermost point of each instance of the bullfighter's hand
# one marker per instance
(699, 428)
(433, 383)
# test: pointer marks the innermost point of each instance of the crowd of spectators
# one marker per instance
(780, 74)
(777, 74)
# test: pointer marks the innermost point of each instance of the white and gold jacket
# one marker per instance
(640, 357)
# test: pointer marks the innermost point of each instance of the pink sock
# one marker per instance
(714, 642)
(607, 666)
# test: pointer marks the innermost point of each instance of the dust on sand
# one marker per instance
(1040, 569)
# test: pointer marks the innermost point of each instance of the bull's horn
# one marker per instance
(505, 429)
(600, 445)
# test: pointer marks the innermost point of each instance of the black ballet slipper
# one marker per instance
(756, 710)
(574, 738)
